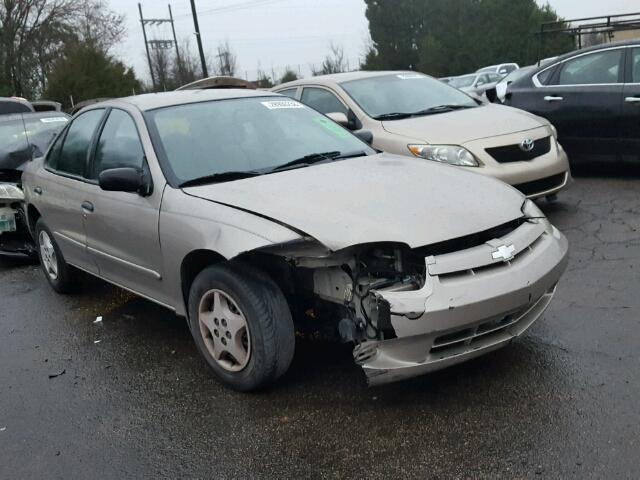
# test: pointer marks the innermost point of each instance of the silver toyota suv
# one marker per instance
(247, 212)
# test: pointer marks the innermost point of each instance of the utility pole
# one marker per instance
(175, 41)
(146, 46)
(159, 44)
(205, 74)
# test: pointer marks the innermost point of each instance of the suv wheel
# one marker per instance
(59, 274)
(242, 325)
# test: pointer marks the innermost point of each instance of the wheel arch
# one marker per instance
(192, 264)
(33, 214)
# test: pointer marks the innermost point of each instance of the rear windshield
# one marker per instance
(244, 134)
(464, 81)
(23, 137)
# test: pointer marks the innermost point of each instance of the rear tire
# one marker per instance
(242, 325)
(60, 275)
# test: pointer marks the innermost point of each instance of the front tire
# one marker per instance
(242, 325)
(60, 275)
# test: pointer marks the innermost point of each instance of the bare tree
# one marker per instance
(98, 25)
(334, 62)
(226, 61)
(35, 32)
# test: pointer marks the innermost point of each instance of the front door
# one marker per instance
(122, 228)
(630, 141)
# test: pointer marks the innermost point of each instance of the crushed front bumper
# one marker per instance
(470, 304)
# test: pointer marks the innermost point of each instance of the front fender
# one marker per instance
(190, 223)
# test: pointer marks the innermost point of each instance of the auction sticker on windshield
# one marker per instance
(411, 76)
(278, 104)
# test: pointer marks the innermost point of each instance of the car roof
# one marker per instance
(152, 101)
(337, 78)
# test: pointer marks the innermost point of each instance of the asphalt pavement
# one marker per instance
(129, 397)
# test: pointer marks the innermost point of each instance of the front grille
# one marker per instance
(541, 185)
(468, 336)
(468, 241)
(513, 153)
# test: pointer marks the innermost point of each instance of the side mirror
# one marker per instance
(124, 179)
(365, 135)
(339, 118)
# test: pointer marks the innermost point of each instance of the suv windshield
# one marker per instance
(403, 93)
(222, 139)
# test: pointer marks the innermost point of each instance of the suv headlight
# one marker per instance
(451, 154)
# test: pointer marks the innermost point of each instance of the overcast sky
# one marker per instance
(277, 33)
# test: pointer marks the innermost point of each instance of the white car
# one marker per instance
(502, 69)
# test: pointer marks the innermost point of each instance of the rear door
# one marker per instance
(630, 131)
(122, 227)
(60, 188)
(583, 100)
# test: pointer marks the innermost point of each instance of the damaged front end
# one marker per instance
(14, 232)
(411, 311)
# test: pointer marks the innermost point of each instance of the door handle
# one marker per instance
(37, 191)
(87, 206)
(632, 99)
(553, 98)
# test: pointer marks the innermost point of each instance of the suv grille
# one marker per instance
(542, 185)
(513, 153)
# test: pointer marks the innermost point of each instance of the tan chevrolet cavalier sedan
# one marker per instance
(252, 215)
(409, 113)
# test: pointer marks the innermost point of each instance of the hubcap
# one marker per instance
(224, 330)
(48, 255)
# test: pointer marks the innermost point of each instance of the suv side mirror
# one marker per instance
(125, 179)
(339, 118)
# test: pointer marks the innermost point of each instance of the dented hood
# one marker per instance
(461, 126)
(379, 198)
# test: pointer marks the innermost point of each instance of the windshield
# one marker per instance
(410, 92)
(462, 82)
(255, 134)
(23, 137)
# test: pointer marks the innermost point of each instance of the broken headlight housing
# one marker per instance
(533, 213)
(451, 154)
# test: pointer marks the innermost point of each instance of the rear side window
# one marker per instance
(119, 144)
(289, 92)
(73, 157)
(595, 68)
(322, 100)
(54, 153)
(545, 77)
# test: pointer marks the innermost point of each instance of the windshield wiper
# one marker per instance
(219, 178)
(306, 160)
(393, 116)
(440, 109)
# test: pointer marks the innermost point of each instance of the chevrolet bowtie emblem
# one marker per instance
(504, 252)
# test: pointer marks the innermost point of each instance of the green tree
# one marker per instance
(288, 76)
(87, 71)
(451, 37)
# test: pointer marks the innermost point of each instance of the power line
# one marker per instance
(232, 7)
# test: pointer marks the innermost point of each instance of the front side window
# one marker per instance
(73, 157)
(594, 68)
(322, 100)
(119, 145)
(406, 92)
(256, 134)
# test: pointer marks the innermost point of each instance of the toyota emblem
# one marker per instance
(527, 145)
